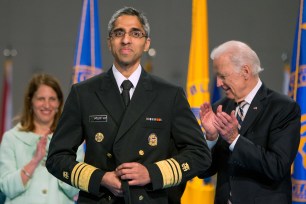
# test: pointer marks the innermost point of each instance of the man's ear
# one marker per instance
(147, 45)
(109, 44)
(246, 71)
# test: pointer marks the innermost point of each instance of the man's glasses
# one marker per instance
(132, 33)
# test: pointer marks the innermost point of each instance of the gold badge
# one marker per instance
(185, 166)
(66, 175)
(99, 137)
(152, 139)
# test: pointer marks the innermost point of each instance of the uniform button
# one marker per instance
(99, 137)
(140, 197)
(44, 191)
(109, 197)
(109, 155)
(141, 152)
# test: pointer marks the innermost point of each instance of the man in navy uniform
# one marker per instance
(130, 121)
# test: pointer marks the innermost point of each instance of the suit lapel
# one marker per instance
(141, 99)
(254, 110)
(110, 97)
(230, 107)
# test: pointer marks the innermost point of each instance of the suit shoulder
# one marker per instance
(279, 98)
(281, 103)
(90, 84)
(90, 81)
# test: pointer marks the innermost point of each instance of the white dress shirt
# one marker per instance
(134, 78)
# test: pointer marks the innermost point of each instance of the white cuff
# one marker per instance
(231, 147)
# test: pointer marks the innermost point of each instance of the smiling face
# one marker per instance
(45, 105)
(230, 79)
(127, 49)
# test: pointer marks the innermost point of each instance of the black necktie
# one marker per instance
(240, 114)
(126, 86)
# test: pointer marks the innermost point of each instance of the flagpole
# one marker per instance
(297, 62)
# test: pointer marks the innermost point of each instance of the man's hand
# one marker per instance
(112, 182)
(207, 117)
(227, 125)
(135, 173)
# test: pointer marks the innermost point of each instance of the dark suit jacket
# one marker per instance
(157, 117)
(258, 169)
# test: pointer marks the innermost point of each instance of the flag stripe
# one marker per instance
(88, 53)
(198, 74)
(197, 88)
(6, 107)
(297, 90)
(298, 48)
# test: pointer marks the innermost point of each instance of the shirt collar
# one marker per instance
(249, 98)
(134, 78)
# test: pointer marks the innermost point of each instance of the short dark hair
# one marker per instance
(130, 11)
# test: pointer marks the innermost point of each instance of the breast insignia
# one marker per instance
(152, 139)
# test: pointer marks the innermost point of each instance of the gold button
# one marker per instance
(141, 152)
(109, 155)
(140, 197)
(44, 191)
(99, 137)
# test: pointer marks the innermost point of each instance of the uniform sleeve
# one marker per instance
(193, 153)
(10, 180)
(67, 138)
(68, 189)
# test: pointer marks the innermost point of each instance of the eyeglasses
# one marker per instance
(132, 33)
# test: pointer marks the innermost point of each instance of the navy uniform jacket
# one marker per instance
(258, 169)
(157, 117)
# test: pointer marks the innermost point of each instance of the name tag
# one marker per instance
(98, 118)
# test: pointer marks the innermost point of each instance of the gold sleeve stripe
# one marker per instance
(167, 174)
(178, 170)
(85, 177)
(174, 172)
(162, 168)
(171, 172)
(170, 175)
(75, 173)
(81, 175)
(176, 179)
(78, 174)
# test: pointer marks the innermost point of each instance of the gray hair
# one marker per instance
(240, 54)
(130, 11)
